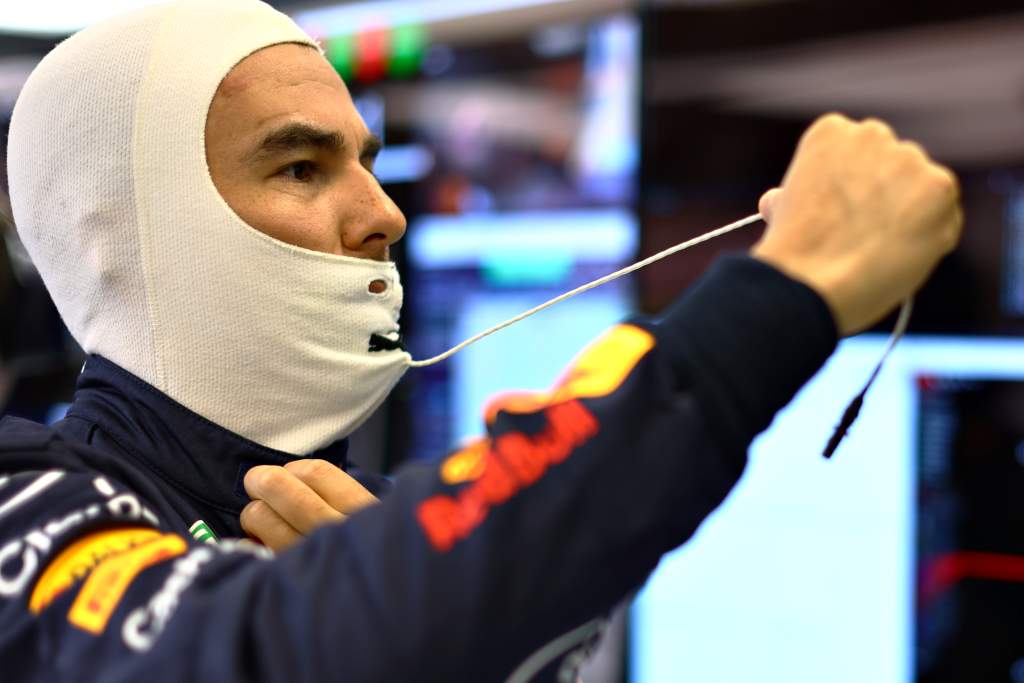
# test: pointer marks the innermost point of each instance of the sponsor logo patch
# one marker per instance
(202, 532)
(22, 557)
(143, 625)
(76, 561)
(598, 371)
(514, 462)
(103, 590)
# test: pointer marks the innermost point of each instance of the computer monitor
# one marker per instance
(883, 564)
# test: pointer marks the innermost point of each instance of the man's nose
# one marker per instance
(374, 225)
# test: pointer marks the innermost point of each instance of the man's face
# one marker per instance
(290, 154)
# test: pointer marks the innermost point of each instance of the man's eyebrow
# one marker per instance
(296, 136)
(299, 136)
(371, 147)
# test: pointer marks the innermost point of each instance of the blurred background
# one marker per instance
(537, 144)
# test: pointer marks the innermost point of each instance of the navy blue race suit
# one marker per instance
(489, 562)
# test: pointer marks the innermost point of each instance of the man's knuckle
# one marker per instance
(876, 128)
(297, 467)
(940, 187)
(825, 126)
(914, 152)
(946, 180)
(310, 469)
(321, 468)
(272, 480)
(833, 119)
(939, 183)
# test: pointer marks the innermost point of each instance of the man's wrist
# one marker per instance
(811, 279)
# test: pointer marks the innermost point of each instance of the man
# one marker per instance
(194, 185)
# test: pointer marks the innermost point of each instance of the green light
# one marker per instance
(407, 46)
(525, 268)
(341, 54)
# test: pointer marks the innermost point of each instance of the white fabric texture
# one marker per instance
(148, 265)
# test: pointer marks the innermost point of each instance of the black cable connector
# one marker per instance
(849, 417)
(853, 410)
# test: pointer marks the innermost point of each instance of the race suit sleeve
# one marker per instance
(470, 565)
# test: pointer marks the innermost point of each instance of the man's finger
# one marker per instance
(341, 491)
(298, 504)
(261, 522)
(767, 202)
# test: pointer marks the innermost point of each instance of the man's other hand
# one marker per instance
(862, 217)
(290, 502)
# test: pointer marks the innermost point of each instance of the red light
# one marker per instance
(943, 572)
(372, 54)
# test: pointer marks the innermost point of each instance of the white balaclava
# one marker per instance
(148, 265)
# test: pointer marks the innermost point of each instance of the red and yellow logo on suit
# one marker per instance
(600, 369)
(501, 467)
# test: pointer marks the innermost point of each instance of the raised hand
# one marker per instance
(862, 217)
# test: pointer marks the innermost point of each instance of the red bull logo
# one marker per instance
(511, 463)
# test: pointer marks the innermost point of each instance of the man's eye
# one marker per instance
(300, 171)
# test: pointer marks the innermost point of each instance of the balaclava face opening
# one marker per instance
(152, 269)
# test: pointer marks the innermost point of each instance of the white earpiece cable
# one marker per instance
(588, 286)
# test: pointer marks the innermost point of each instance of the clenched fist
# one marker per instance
(290, 502)
(862, 217)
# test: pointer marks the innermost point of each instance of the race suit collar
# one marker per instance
(196, 456)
